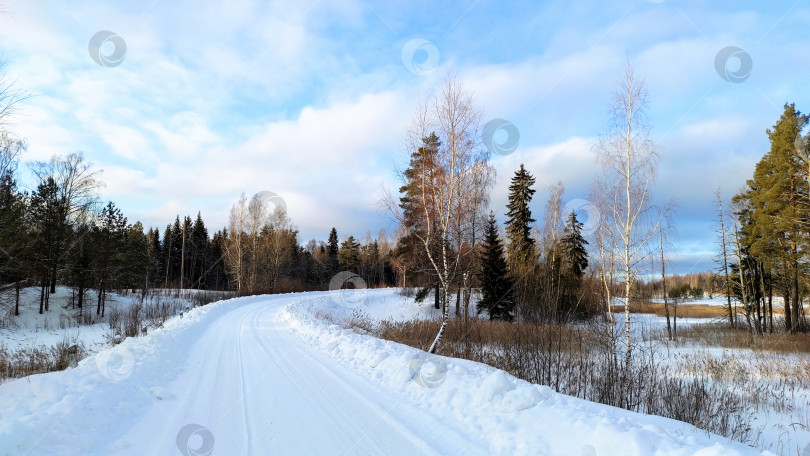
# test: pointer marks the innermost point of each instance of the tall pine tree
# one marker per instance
(778, 196)
(349, 255)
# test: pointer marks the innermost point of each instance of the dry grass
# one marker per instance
(684, 311)
(720, 394)
(37, 360)
(720, 335)
(747, 369)
(578, 362)
(476, 332)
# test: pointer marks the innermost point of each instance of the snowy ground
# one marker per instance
(781, 421)
(62, 321)
(264, 375)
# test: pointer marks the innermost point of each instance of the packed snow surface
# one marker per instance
(265, 375)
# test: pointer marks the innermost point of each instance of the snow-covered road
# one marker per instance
(262, 375)
(259, 390)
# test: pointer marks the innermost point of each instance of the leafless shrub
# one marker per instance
(133, 320)
(116, 326)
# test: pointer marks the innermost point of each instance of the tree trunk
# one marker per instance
(100, 292)
(765, 323)
(664, 285)
(770, 307)
(675, 321)
(53, 279)
(17, 297)
(445, 317)
(788, 313)
(42, 286)
(183, 256)
(731, 313)
(458, 300)
(797, 326)
(466, 299)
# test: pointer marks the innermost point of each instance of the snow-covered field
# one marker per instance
(266, 375)
(721, 301)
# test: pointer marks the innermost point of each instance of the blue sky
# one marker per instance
(310, 99)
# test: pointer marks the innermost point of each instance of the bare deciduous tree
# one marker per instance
(721, 238)
(234, 243)
(78, 185)
(453, 188)
(628, 157)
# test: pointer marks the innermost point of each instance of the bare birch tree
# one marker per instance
(628, 157)
(445, 185)
(234, 243)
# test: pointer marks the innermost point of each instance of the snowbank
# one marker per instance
(515, 416)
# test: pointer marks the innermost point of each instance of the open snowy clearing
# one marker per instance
(263, 375)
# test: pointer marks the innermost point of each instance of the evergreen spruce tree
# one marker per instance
(573, 263)
(185, 249)
(166, 248)
(155, 255)
(109, 244)
(175, 252)
(497, 286)
(574, 251)
(199, 253)
(218, 276)
(134, 255)
(521, 248)
(332, 251)
(349, 255)
(48, 212)
(81, 265)
(14, 240)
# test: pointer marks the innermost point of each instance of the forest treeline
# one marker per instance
(60, 234)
